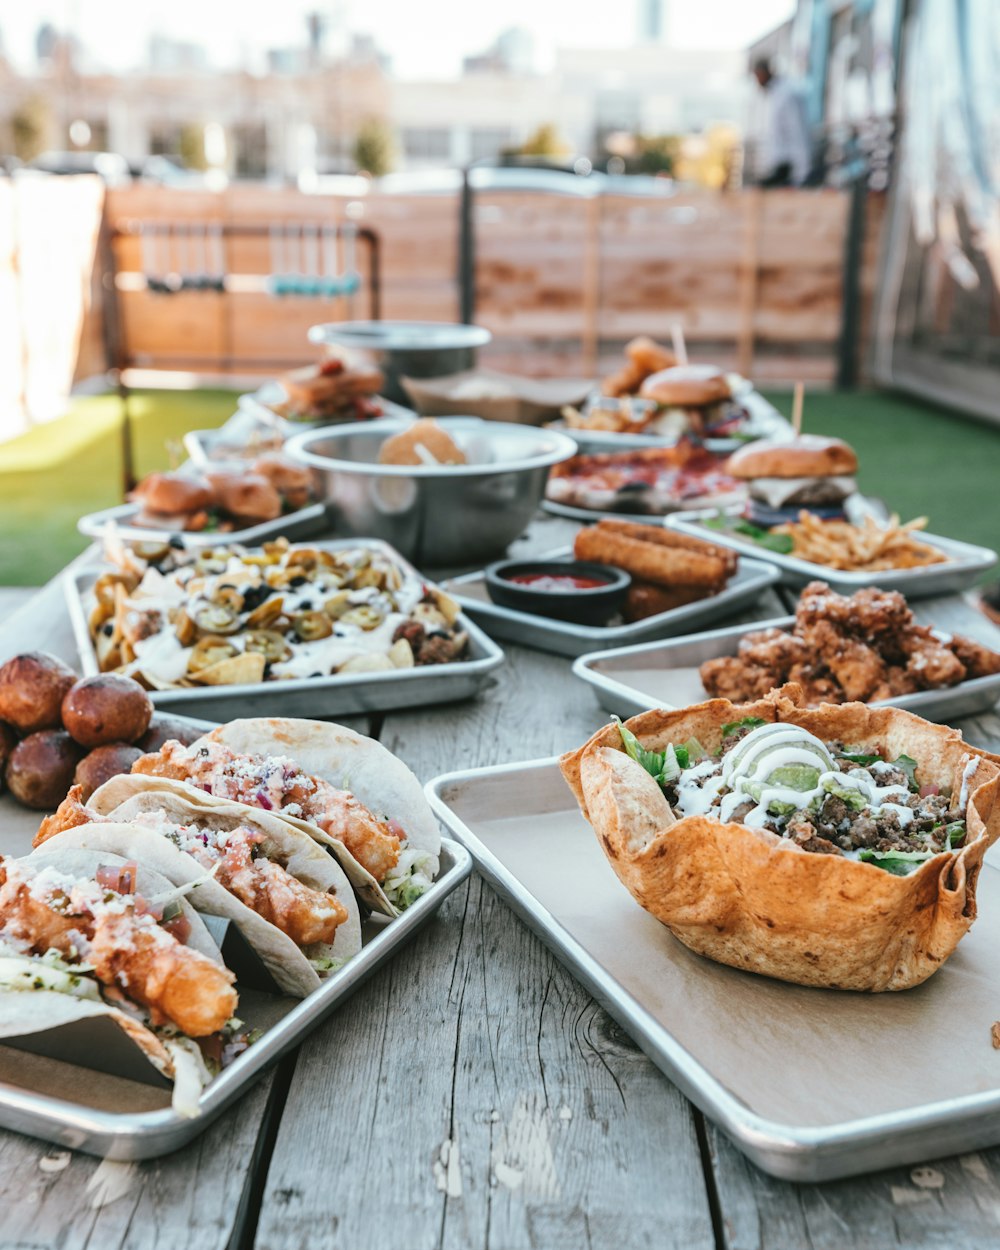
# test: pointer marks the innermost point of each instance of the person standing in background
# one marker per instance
(785, 156)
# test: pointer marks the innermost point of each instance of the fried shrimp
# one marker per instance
(275, 783)
(125, 948)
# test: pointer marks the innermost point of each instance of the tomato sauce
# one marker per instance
(562, 582)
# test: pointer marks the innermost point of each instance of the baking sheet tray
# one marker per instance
(810, 1084)
(964, 568)
(302, 523)
(629, 680)
(120, 1119)
(588, 515)
(751, 579)
(767, 422)
(334, 695)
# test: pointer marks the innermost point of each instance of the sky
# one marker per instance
(424, 38)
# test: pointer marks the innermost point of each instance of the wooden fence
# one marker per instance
(755, 278)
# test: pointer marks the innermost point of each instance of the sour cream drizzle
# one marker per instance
(746, 771)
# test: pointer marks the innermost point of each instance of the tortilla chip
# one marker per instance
(751, 899)
(235, 670)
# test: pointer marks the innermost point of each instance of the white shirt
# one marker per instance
(784, 133)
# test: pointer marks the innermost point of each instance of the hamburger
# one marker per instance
(783, 478)
(698, 398)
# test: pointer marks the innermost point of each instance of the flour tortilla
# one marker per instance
(123, 798)
(751, 899)
(349, 761)
(24, 1012)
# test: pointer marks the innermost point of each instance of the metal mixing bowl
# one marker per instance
(406, 349)
(434, 514)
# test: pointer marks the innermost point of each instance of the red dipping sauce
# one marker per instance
(564, 582)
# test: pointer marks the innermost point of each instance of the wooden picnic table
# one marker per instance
(472, 1094)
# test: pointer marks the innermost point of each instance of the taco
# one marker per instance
(289, 898)
(87, 934)
(838, 846)
(346, 791)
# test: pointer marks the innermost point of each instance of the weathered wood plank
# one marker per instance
(196, 1198)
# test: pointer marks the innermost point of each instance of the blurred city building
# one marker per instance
(303, 114)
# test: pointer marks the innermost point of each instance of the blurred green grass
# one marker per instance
(923, 460)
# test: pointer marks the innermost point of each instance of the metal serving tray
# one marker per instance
(751, 579)
(766, 419)
(121, 1119)
(334, 695)
(963, 569)
(259, 404)
(300, 524)
(629, 680)
(810, 1084)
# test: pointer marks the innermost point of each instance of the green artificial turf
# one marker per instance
(56, 472)
(921, 459)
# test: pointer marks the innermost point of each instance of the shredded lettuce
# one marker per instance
(663, 766)
(909, 766)
(857, 758)
(748, 722)
(899, 863)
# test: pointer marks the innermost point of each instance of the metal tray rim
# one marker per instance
(148, 1134)
(492, 654)
(92, 524)
(761, 575)
(786, 1151)
(919, 701)
(967, 557)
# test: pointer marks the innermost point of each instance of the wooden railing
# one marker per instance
(755, 278)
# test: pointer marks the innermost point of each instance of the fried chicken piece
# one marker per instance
(979, 661)
(31, 920)
(302, 913)
(626, 381)
(773, 649)
(855, 667)
(731, 677)
(70, 813)
(817, 685)
(930, 663)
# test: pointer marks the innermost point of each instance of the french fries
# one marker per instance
(868, 547)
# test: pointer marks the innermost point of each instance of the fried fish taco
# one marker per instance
(837, 847)
(289, 898)
(89, 934)
(344, 790)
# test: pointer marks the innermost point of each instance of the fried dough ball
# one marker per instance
(163, 729)
(32, 688)
(40, 768)
(102, 764)
(106, 708)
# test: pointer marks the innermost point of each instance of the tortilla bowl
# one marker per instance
(751, 899)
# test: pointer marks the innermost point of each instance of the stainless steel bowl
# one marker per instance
(406, 349)
(435, 515)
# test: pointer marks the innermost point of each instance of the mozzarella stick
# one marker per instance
(665, 566)
(644, 599)
(669, 538)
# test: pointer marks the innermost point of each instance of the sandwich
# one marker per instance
(783, 478)
(691, 398)
(836, 847)
(345, 791)
(289, 898)
(85, 934)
